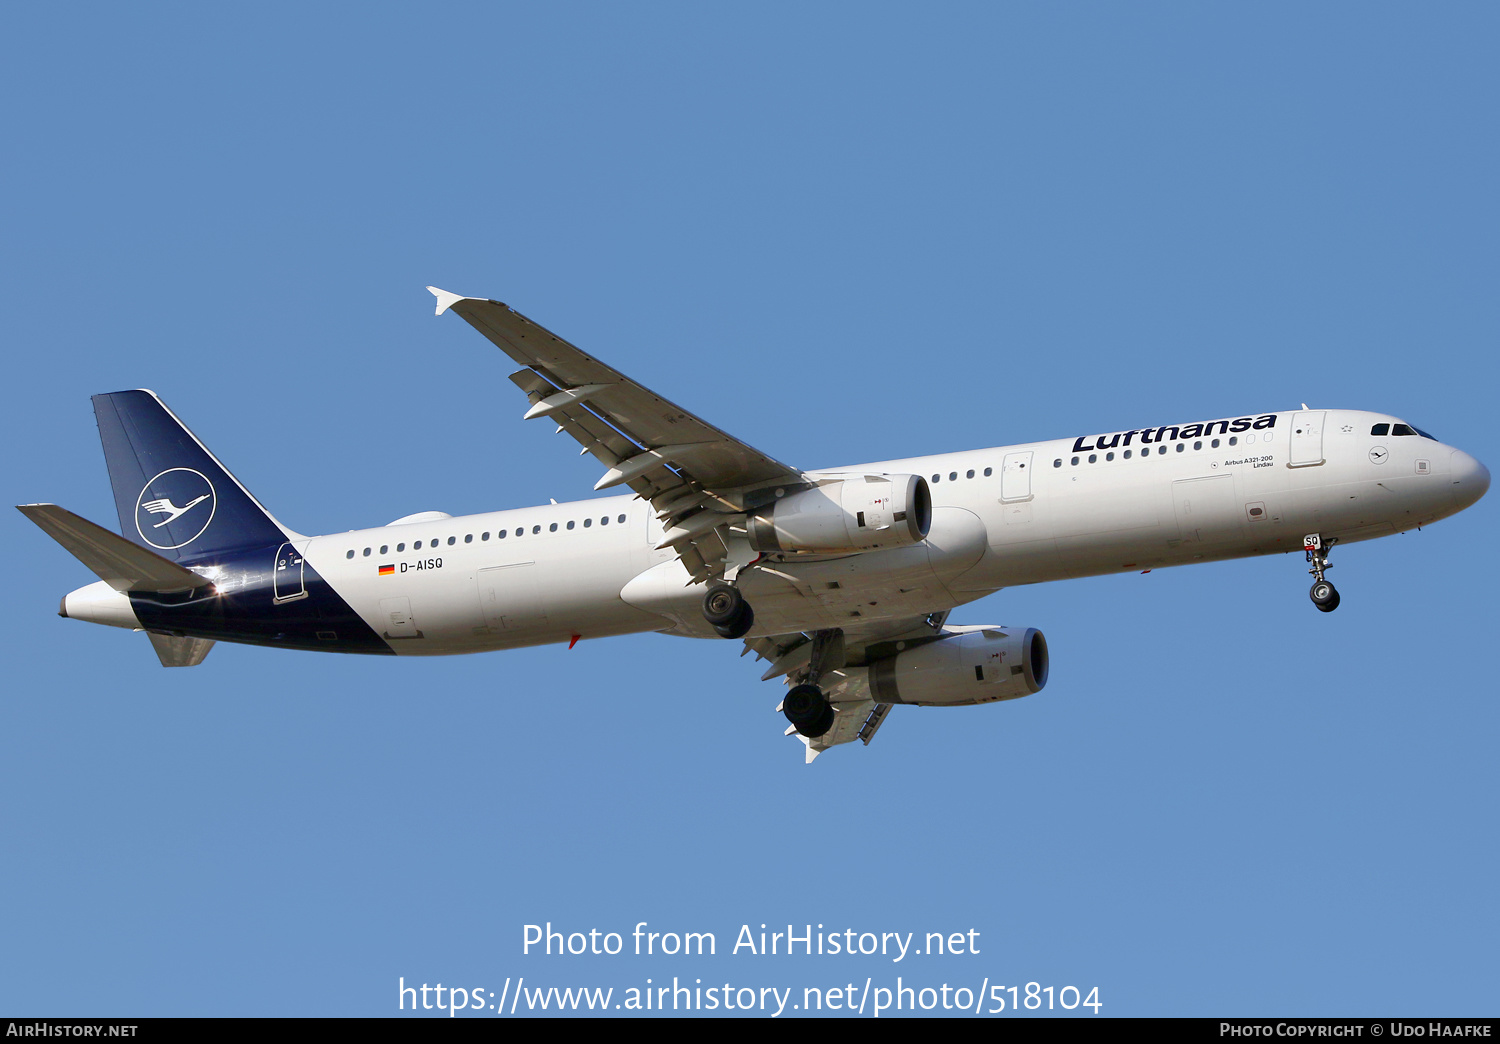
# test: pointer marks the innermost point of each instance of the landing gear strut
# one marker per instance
(805, 706)
(1323, 594)
(726, 609)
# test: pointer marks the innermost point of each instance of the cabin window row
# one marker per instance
(519, 531)
(953, 475)
(1146, 452)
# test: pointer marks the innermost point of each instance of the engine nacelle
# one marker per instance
(974, 665)
(852, 513)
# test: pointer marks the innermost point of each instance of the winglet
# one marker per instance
(445, 300)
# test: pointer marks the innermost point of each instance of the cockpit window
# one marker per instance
(1426, 436)
(1381, 429)
(1402, 429)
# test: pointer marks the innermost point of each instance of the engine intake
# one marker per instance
(976, 665)
(851, 513)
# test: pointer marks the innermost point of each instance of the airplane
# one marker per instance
(842, 578)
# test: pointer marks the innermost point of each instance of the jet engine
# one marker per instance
(848, 513)
(971, 665)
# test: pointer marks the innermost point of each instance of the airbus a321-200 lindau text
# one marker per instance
(842, 579)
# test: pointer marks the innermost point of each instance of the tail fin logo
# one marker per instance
(177, 493)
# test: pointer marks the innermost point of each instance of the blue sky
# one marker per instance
(842, 232)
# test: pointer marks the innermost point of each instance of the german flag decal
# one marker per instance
(387, 570)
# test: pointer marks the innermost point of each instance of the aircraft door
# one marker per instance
(287, 584)
(1015, 477)
(1307, 438)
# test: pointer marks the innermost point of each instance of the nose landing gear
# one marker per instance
(1323, 594)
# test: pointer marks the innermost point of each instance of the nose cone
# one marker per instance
(1469, 477)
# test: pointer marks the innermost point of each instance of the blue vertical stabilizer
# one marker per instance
(172, 494)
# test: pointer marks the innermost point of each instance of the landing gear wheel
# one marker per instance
(741, 625)
(722, 604)
(727, 611)
(808, 710)
(1324, 595)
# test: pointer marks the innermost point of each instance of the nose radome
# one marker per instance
(1470, 478)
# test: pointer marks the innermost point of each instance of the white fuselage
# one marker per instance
(1001, 517)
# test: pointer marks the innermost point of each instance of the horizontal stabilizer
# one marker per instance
(123, 565)
(180, 650)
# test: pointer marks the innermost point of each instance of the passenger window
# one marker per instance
(1197, 445)
(1127, 454)
(604, 521)
(937, 478)
(350, 554)
(452, 541)
(416, 545)
(1234, 440)
(384, 548)
(485, 535)
(570, 523)
(535, 530)
(401, 547)
(990, 471)
(468, 538)
(1161, 450)
(1214, 444)
(622, 520)
(367, 552)
(952, 476)
(970, 474)
(587, 522)
(1074, 461)
(1057, 463)
(501, 535)
(1381, 429)
(1179, 447)
(1109, 456)
(552, 528)
(1093, 458)
(520, 531)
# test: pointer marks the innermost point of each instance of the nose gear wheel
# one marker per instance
(1323, 594)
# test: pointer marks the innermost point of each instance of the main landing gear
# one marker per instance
(805, 706)
(1323, 594)
(808, 710)
(726, 609)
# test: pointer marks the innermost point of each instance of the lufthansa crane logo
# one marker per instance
(175, 508)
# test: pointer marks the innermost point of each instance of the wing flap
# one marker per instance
(123, 565)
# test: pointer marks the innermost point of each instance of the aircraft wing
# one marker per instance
(699, 479)
(856, 715)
